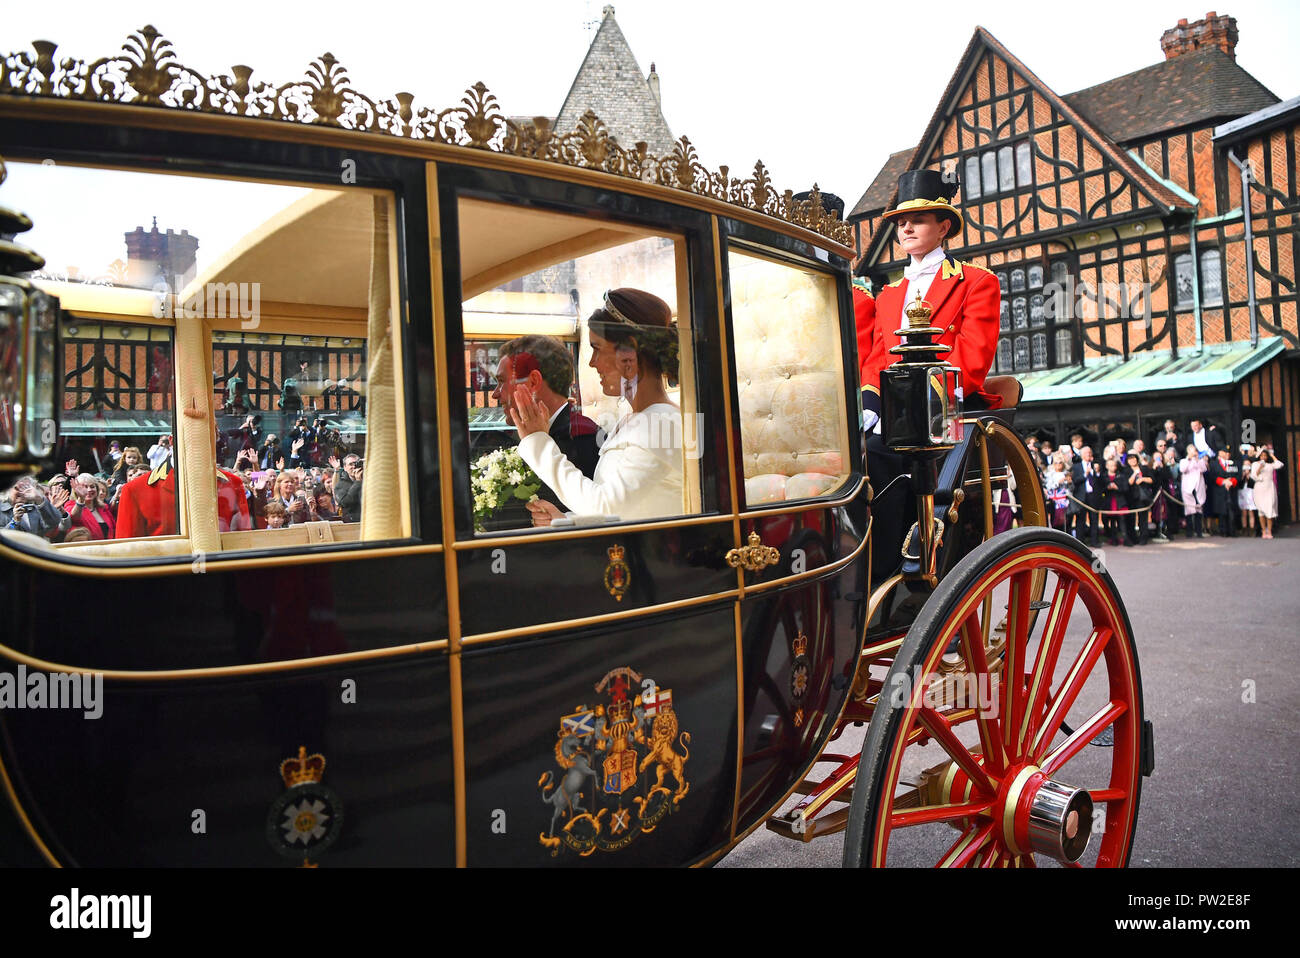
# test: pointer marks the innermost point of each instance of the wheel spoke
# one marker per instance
(963, 851)
(937, 813)
(1071, 747)
(1013, 663)
(986, 716)
(987, 859)
(942, 732)
(1049, 650)
(1069, 691)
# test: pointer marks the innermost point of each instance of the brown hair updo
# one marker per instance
(642, 321)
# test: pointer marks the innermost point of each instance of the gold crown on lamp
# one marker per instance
(918, 312)
(303, 770)
(800, 644)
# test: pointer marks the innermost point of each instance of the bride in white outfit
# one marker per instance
(639, 473)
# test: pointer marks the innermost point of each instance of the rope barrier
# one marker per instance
(1129, 512)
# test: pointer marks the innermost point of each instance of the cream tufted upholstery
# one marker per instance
(789, 378)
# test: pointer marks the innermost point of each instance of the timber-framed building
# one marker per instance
(1113, 219)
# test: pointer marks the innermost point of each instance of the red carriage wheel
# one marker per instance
(1026, 748)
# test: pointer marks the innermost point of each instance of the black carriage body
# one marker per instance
(437, 691)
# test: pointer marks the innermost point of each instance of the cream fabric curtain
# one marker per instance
(381, 515)
(195, 436)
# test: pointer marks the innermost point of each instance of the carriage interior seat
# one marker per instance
(789, 379)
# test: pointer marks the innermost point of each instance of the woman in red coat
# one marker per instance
(87, 509)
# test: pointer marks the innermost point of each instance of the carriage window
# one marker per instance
(238, 344)
(790, 381)
(616, 426)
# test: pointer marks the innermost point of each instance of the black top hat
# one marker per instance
(831, 203)
(922, 191)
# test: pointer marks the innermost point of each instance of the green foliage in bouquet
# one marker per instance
(498, 477)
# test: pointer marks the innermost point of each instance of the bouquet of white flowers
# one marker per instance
(496, 478)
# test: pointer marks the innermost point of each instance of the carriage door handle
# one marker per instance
(754, 556)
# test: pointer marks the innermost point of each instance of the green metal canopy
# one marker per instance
(1214, 367)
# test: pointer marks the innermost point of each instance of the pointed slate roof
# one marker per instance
(610, 83)
(1193, 89)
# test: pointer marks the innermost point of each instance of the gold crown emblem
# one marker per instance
(620, 712)
(918, 312)
(800, 644)
(615, 553)
(304, 769)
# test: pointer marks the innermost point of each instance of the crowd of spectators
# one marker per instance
(1187, 481)
(313, 476)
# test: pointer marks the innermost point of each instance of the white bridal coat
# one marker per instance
(638, 475)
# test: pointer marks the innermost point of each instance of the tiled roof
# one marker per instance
(611, 84)
(882, 187)
(1195, 88)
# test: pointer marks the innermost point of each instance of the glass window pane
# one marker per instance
(1004, 318)
(118, 421)
(538, 325)
(1036, 276)
(1060, 272)
(1022, 354)
(971, 184)
(1183, 283)
(1211, 278)
(1040, 350)
(1004, 355)
(789, 380)
(1024, 165)
(275, 290)
(1020, 312)
(1036, 316)
(1006, 170)
(1064, 342)
(989, 164)
(1017, 280)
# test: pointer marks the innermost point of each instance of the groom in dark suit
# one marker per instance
(543, 364)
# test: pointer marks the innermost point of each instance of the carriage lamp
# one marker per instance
(28, 333)
(919, 417)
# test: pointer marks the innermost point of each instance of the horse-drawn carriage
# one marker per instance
(412, 689)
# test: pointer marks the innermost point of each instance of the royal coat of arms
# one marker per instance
(615, 756)
(307, 818)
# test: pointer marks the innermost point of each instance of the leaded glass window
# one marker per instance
(1006, 170)
(1040, 350)
(971, 186)
(1021, 348)
(1024, 164)
(1211, 278)
(1064, 347)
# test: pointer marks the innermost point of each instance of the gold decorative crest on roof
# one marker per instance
(147, 72)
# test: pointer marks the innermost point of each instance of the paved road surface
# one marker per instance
(1215, 619)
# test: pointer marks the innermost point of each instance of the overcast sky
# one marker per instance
(821, 90)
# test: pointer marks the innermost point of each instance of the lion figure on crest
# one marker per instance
(662, 734)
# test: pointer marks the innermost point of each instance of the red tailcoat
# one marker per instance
(148, 505)
(864, 316)
(965, 300)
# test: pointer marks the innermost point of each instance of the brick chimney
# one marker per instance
(153, 257)
(1213, 31)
